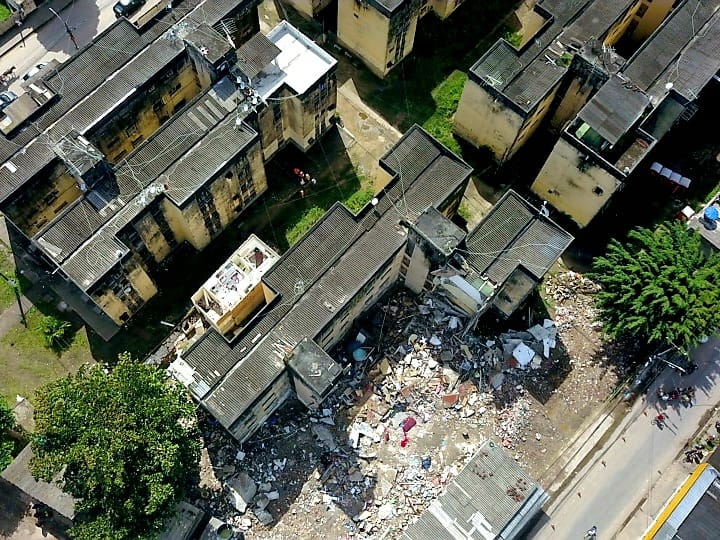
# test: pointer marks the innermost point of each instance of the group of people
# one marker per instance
(7, 76)
(685, 395)
(305, 179)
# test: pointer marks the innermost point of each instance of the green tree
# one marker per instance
(7, 422)
(125, 442)
(660, 286)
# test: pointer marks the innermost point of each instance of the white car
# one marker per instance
(34, 71)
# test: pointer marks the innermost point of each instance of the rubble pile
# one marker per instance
(411, 411)
(566, 286)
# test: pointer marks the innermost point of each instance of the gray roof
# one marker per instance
(322, 272)
(511, 235)
(387, 7)
(17, 473)
(661, 58)
(184, 154)
(502, 65)
(614, 109)
(439, 230)
(525, 77)
(314, 366)
(256, 54)
(211, 44)
(492, 497)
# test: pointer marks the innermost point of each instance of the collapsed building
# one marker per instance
(153, 135)
(567, 73)
(269, 341)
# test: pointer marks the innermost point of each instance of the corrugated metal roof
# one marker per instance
(502, 66)
(204, 148)
(98, 78)
(256, 54)
(73, 227)
(481, 501)
(614, 109)
(663, 47)
(514, 234)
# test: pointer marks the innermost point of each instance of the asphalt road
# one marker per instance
(608, 489)
(86, 19)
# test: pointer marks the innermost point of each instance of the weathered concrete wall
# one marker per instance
(123, 292)
(43, 199)
(580, 194)
(444, 8)
(618, 29)
(376, 286)
(532, 122)
(309, 8)
(152, 237)
(365, 32)
(483, 120)
(261, 410)
(648, 22)
(380, 42)
(307, 117)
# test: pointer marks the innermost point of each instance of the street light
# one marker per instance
(67, 28)
(16, 287)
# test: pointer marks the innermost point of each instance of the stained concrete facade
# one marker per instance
(169, 148)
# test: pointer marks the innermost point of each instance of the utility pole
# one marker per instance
(19, 24)
(67, 28)
(16, 288)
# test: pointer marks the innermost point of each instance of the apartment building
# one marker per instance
(608, 111)
(151, 137)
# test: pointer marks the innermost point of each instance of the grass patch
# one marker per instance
(446, 97)
(27, 363)
(309, 218)
(355, 202)
(4, 12)
(7, 267)
(464, 212)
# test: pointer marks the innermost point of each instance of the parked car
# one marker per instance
(6, 98)
(125, 8)
(33, 71)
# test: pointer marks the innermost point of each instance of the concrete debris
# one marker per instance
(399, 427)
(242, 488)
(263, 516)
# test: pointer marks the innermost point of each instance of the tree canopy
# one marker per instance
(7, 422)
(660, 285)
(124, 443)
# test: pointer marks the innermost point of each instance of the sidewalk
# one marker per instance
(33, 22)
(670, 481)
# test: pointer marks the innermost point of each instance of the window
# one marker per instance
(131, 128)
(175, 89)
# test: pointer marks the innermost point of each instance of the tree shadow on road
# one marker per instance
(83, 20)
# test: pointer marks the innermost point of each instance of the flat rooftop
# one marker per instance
(237, 276)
